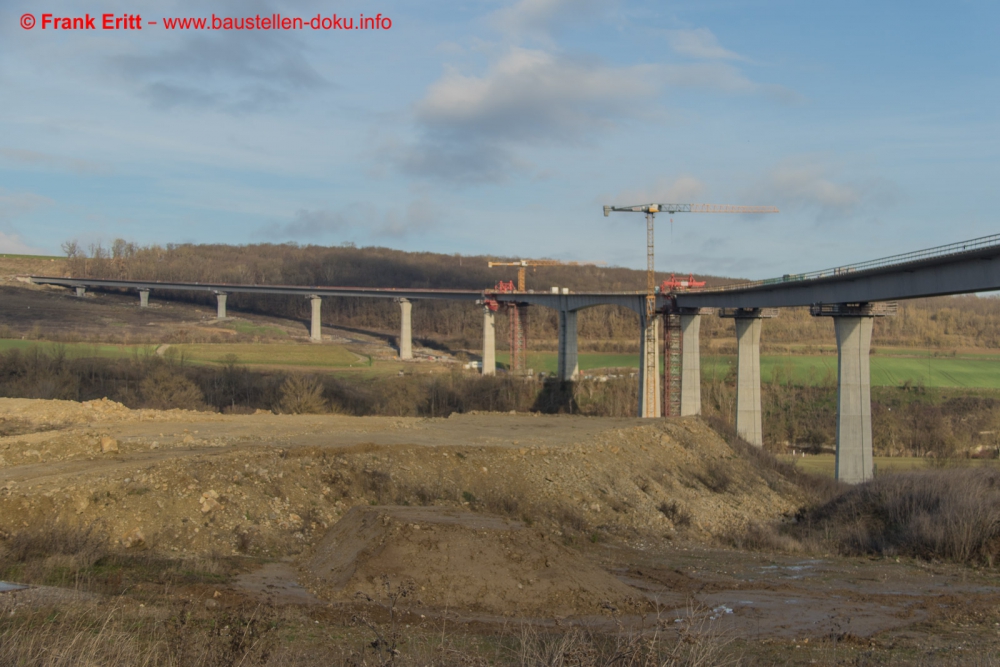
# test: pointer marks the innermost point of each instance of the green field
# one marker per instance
(887, 370)
(274, 354)
(823, 464)
(76, 350)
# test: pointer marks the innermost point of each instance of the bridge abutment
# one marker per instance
(405, 329)
(316, 322)
(220, 306)
(649, 358)
(489, 342)
(569, 365)
(144, 298)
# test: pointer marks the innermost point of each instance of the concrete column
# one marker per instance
(316, 324)
(649, 356)
(854, 402)
(748, 412)
(690, 365)
(569, 365)
(81, 291)
(405, 329)
(489, 342)
(221, 305)
(144, 298)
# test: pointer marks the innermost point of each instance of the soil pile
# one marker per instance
(457, 559)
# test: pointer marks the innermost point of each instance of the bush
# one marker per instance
(301, 395)
(950, 514)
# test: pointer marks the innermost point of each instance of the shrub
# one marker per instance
(301, 395)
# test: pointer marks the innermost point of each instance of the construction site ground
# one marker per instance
(486, 519)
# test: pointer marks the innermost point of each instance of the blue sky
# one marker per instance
(503, 127)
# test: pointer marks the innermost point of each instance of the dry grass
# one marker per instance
(949, 514)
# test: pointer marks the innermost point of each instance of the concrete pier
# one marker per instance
(81, 291)
(405, 329)
(316, 323)
(748, 410)
(489, 342)
(144, 298)
(569, 365)
(690, 365)
(220, 312)
(649, 357)
(854, 399)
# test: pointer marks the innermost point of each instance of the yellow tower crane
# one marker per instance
(518, 313)
(523, 265)
(648, 397)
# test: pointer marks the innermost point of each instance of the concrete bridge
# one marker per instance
(853, 295)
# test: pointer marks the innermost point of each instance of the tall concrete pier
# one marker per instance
(405, 329)
(854, 324)
(144, 298)
(690, 365)
(748, 409)
(568, 365)
(316, 322)
(220, 309)
(81, 291)
(650, 394)
(489, 342)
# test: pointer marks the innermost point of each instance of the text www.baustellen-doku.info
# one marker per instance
(47, 21)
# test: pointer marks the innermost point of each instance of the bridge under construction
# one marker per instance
(853, 295)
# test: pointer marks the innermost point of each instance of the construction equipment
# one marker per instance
(672, 284)
(517, 313)
(523, 265)
(650, 362)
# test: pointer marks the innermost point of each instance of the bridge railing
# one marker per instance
(892, 260)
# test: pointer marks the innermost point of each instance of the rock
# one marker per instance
(211, 604)
(133, 538)
(208, 504)
(108, 444)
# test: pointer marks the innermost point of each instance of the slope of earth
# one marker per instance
(271, 484)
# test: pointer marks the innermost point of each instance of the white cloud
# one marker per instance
(700, 43)
(539, 16)
(683, 190)
(807, 183)
(45, 160)
(13, 245)
(358, 220)
(471, 124)
(16, 204)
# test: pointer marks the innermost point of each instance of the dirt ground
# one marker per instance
(486, 518)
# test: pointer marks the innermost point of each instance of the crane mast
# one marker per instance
(648, 394)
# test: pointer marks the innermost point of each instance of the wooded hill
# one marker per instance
(965, 321)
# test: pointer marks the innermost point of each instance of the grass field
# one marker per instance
(280, 354)
(823, 464)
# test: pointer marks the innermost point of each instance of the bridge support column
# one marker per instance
(405, 329)
(316, 322)
(569, 365)
(854, 324)
(489, 342)
(649, 358)
(748, 410)
(690, 365)
(220, 313)
(81, 291)
(144, 298)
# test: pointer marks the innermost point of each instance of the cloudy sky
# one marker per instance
(503, 127)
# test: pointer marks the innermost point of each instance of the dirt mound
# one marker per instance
(460, 560)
